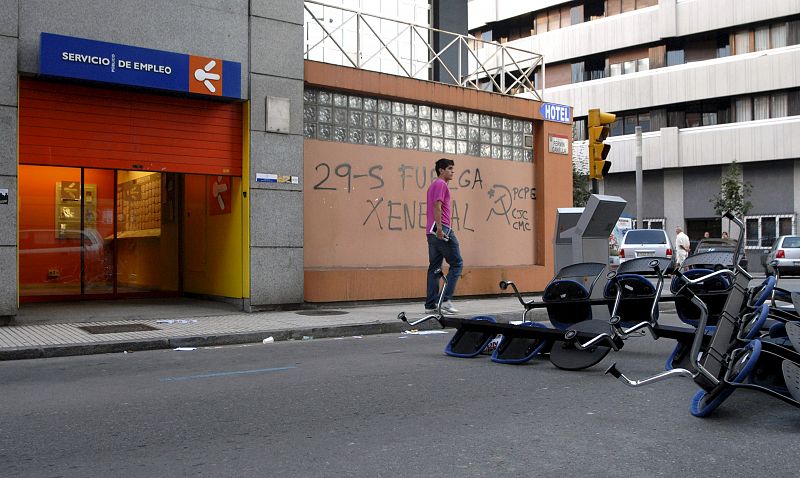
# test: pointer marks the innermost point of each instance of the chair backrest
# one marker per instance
(714, 292)
(710, 260)
(563, 298)
(584, 269)
(641, 265)
(636, 301)
(568, 287)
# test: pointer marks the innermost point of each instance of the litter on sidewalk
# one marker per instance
(424, 332)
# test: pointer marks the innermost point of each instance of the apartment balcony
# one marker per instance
(749, 73)
(750, 141)
(670, 18)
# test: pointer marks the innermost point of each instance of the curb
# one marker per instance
(24, 353)
(280, 335)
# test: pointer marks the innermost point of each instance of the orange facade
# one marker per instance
(364, 206)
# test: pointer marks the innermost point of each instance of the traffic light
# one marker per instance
(598, 151)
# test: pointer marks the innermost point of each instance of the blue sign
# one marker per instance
(554, 112)
(92, 60)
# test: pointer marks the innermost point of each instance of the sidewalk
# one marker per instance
(54, 330)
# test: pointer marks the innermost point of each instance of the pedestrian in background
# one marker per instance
(706, 235)
(442, 242)
(724, 235)
(682, 247)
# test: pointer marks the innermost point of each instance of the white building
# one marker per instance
(709, 82)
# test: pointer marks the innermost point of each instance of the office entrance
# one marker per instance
(127, 194)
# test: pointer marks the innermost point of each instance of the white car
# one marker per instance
(785, 251)
(645, 243)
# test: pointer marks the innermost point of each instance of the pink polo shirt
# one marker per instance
(438, 191)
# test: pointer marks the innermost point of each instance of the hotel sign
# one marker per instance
(73, 57)
(555, 112)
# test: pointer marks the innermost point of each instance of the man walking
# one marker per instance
(442, 242)
(681, 246)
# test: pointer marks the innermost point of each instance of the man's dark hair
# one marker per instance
(443, 164)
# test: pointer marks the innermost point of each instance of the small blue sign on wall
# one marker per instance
(92, 60)
(555, 112)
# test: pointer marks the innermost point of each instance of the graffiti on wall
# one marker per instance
(505, 204)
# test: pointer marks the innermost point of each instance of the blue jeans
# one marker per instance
(437, 251)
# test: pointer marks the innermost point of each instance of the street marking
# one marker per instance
(224, 374)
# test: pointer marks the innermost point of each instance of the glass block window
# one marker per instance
(333, 116)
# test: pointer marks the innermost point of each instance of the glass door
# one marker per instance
(98, 231)
(147, 233)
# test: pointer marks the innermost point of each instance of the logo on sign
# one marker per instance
(555, 112)
(207, 75)
(220, 197)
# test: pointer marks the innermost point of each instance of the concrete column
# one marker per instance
(276, 147)
(9, 46)
(673, 199)
(727, 225)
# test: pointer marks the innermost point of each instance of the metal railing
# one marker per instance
(372, 42)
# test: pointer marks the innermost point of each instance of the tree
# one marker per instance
(733, 193)
(580, 188)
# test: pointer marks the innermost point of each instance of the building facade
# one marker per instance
(196, 148)
(709, 81)
(128, 136)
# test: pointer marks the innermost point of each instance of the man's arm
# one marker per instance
(437, 216)
(685, 245)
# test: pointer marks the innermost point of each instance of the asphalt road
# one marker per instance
(385, 405)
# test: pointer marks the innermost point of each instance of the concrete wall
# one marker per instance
(773, 186)
(652, 194)
(624, 186)
(276, 147)
(698, 189)
(9, 42)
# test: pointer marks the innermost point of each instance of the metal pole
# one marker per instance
(595, 187)
(503, 70)
(358, 41)
(639, 189)
(460, 70)
(411, 31)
